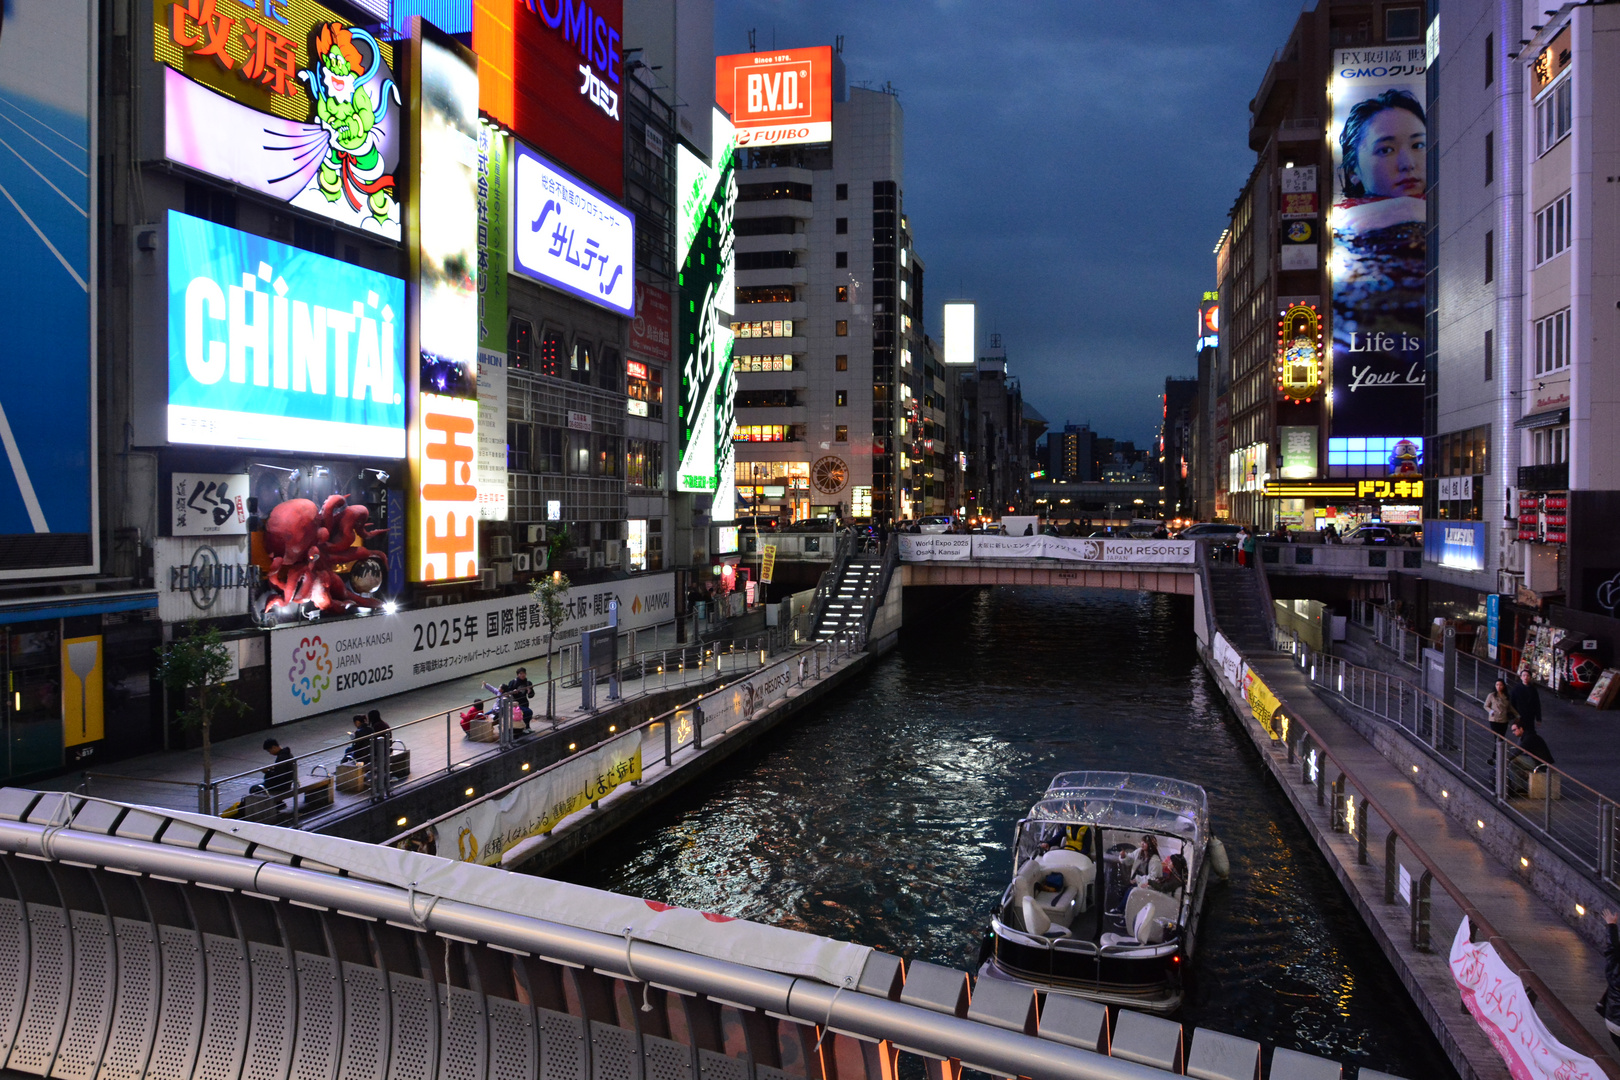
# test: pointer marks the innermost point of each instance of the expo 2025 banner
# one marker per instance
(1379, 140)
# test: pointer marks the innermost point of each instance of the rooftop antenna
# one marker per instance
(838, 43)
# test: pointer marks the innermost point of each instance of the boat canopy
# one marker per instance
(1120, 800)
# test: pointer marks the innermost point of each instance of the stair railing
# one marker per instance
(827, 587)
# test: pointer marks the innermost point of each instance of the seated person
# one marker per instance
(282, 776)
(1533, 755)
(1174, 878)
(359, 748)
(1148, 866)
(476, 712)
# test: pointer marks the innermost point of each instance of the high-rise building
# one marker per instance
(839, 407)
(1069, 454)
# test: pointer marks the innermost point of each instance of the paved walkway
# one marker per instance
(1573, 969)
(425, 720)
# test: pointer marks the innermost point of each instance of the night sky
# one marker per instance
(1069, 166)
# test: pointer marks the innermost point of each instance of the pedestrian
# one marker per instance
(1243, 542)
(359, 740)
(1609, 1005)
(1499, 710)
(281, 777)
(521, 691)
(1534, 757)
(382, 734)
(1526, 700)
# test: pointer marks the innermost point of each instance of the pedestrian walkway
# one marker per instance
(424, 720)
(1571, 968)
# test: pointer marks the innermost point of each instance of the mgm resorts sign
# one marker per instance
(203, 579)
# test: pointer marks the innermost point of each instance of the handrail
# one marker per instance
(1573, 1029)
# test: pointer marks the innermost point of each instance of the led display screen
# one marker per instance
(296, 103)
(276, 348)
(705, 245)
(1379, 135)
(47, 397)
(570, 236)
(443, 239)
(777, 98)
(961, 334)
(552, 70)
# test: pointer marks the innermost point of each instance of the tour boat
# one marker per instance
(1081, 917)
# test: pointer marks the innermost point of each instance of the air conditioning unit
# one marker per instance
(500, 547)
(487, 580)
(503, 573)
(612, 556)
(539, 559)
(536, 533)
(520, 562)
(583, 554)
(596, 560)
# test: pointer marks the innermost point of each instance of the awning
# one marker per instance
(65, 607)
(1541, 420)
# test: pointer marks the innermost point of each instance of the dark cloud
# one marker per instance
(1069, 165)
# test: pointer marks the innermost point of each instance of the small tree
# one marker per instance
(195, 666)
(552, 592)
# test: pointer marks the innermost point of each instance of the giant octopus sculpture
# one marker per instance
(309, 546)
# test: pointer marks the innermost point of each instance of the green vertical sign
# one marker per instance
(1298, 452)
(492, 261)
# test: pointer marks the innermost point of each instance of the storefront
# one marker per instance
(1313, 505)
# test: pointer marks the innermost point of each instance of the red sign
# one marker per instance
(635, 369)
(552, 71)
(777, 98)
(651, 333)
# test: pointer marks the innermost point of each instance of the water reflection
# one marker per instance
(885, 816)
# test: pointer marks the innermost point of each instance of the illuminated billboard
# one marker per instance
(570, 236)
(551, 71)
(272, 347)
(47, 397)
(442, 234)
(1209, 320)
(299, 105)
(777, 98)
(493, 202)
(1379, 136)
(961, 333)
(705, 241)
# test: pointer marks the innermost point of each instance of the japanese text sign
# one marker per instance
(208, 504)
(570, 236)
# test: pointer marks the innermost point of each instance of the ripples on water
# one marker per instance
(885, 815)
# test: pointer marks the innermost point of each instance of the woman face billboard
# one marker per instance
(1380, 141)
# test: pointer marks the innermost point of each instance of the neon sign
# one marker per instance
(1299, 353)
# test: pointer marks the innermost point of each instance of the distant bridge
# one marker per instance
(1165, 566)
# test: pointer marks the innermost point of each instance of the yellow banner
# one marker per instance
(82, 717)
(767, 563)
(1262, 701)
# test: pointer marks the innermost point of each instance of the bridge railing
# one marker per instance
(1319, 558)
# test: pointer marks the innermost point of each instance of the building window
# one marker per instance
(767, 260)
(1490, 59)
(551, 353)
(635, 543)
(841, 260)
(1403, 24)
(841, 362)
(1553, 228)
(1490, 355)
(766, 362)
(1490, 256)
(841, 226)
(843, 294)
(765, 294)
(579, 362)
(840, 398)
(1550, 445)
(1490, 157)
(841, 328)
(841, 192)
(775, 189)
(644, 464)
(763, 433)
(609, 369)
(520, 344)
(655, 544)
(645, 389)
(1552, 342)
(1554, 115)
(767, 328)
(841, 433)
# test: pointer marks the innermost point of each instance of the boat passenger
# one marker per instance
(1147, 867)
(1174, 878)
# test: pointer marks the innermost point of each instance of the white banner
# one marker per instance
(1496, 998)
(1227, 660)
(487, 829)
(316, 668)
(491, 457)
(1070, 549)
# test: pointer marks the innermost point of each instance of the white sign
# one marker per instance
(1227, 660)
(1456, 488)
(317, 668)
(579, 421)
(208, 504)
(1495, 996)
(492, 503)
(202, 579)
(961, 336)
(1087, 549)
(1405, 885)
(570, 236)
(1299, 180)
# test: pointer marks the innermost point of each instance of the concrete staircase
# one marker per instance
(855, 587)
(1240, 609)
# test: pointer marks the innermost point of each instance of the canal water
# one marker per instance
(885, 816)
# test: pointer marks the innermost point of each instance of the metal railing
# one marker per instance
(1432, 916)
(1575, 820)
(827, 584)
(1394, 635)
(378, 777)
(1476, 678)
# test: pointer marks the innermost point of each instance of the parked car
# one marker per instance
(935, 523)
(763, 523)
(1370, 534)
(815, 524)
(1209, 530)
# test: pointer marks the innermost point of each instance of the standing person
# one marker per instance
(1526, 700)
(521, 690)
(1243, 540)
(1535, 753)
(1609, 1006)
(281, 777)
(1499, 710)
